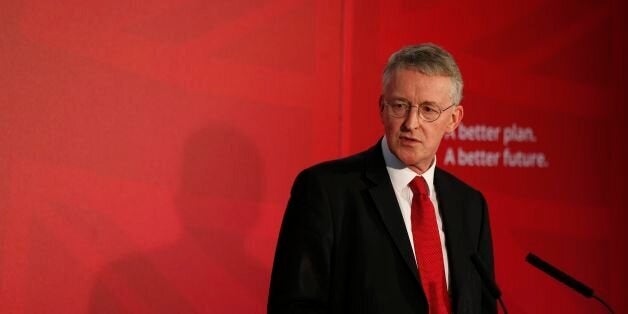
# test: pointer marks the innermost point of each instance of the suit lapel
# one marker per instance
(383, 196)
(451, 207)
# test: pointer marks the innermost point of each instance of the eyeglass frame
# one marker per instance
(409, 107)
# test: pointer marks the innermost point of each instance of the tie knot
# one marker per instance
(419, 186)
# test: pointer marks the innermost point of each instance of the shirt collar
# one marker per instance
(400, 175)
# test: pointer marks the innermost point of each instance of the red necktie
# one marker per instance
(427, 248)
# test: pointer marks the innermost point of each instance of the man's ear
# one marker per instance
(455, 118)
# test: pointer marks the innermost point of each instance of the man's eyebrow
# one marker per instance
(427, 102)
(399, 98)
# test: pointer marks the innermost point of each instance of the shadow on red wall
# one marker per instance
(207, 269)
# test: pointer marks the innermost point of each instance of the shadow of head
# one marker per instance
(221, 181)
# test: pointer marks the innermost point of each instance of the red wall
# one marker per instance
(147, 150)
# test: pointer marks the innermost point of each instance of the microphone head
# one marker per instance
(559, 275)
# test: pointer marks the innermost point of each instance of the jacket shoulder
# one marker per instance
(444, 177)
(343, 167)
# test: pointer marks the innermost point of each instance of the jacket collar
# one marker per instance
(383, 196)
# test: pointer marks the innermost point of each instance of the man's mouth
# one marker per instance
(408, 140)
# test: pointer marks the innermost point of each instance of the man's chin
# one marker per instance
(409, 162)
(415, 163)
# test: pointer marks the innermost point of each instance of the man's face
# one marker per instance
(413, 140)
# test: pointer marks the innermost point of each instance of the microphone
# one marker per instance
(564, 278)
(489, 283)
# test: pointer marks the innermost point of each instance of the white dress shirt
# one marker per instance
(400, 176)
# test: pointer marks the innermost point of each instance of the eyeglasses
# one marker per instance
(428, 112)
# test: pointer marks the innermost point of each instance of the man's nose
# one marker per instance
(411, 120)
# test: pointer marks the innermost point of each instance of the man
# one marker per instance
(386, 231)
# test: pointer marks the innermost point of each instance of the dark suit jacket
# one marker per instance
(343, 245)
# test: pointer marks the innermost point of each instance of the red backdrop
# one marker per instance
(147, 150)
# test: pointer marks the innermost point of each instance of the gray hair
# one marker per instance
(428, 59)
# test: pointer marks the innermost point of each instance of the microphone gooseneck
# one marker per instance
(488, 281)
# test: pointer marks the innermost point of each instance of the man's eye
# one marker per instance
(428, 109)
(398, 106)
